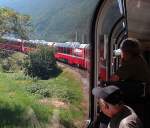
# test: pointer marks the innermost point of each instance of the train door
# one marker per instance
(108, 29)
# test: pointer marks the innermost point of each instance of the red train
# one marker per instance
(73, 53)
(17, 45)
(77, 54)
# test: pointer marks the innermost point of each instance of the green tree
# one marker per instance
(41, 63)
(14, 23)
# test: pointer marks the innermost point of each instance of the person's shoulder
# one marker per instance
(131, 121)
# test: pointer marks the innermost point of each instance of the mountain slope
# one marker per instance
(56, 20)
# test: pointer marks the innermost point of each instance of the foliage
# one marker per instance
(14, 23)
(4, 54)
(6, 65)
(10, 111)
(39, 90)
(11, 62)
(20, 108)
(41, 63)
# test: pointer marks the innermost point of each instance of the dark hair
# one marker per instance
(131, 46)
(115, 98)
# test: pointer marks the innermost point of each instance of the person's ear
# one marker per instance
(106, 106)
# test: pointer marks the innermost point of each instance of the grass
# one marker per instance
(20, 98)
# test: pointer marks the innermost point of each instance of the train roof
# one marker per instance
(84, 45)
(68, 44)
(12, 39)
(50, 43)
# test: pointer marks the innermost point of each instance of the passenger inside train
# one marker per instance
(110, 103)
(133, 65)
(133, 74)
(129, 69)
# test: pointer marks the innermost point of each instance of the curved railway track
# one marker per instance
(84, 73)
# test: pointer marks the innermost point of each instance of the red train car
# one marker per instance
(17, 45)
(72, 53)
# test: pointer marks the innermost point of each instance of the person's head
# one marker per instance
(109, 99)
(130, 47)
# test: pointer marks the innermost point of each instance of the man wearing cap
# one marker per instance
(110, 103)
(133, 67)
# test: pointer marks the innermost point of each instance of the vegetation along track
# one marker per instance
(83, 75)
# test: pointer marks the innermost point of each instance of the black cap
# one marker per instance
(111, 94)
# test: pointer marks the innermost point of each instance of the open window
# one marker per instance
(109, 28)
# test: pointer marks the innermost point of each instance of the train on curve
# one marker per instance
(73, 53)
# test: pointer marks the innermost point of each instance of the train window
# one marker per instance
(62, 25)
(111, 13)
(109, 29)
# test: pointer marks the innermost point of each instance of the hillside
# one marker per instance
(56, 20)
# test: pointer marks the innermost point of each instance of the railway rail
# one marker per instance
(84, 73)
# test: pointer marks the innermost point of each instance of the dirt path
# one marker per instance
(55, 121)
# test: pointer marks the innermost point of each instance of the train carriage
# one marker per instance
(15, 44)
(73, 53)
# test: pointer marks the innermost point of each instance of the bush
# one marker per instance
(5, 54)
(10, 111)
(22, 112)
(6, 65)
(39, 89)
(41, 63)
(13, 62)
